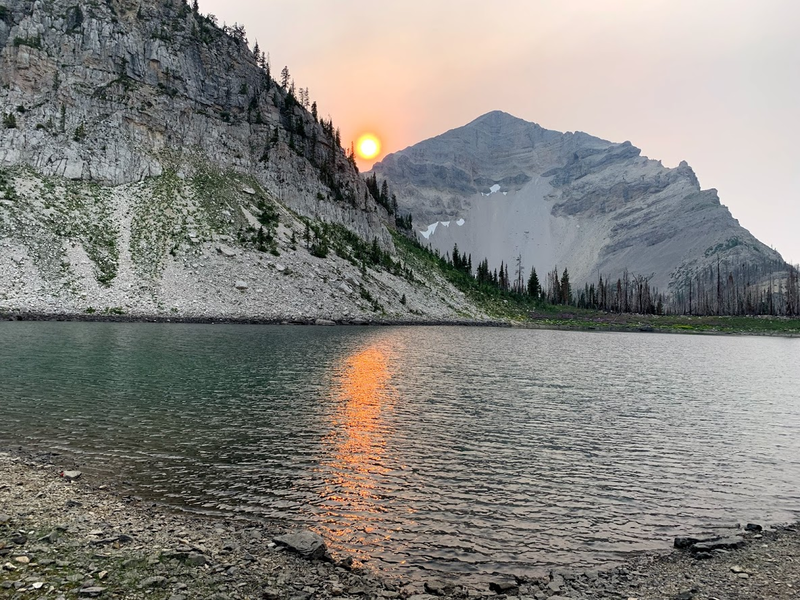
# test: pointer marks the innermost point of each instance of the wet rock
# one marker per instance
(71, 475)
(682, 543)
(438, 588)
(508, 586)
(91, 592)
(687, 595)
(346, 563)
(753, 527)
(720, 544)
(19, 539)
(72, 503)
(305, 543)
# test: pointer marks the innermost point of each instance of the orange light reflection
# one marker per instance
(357, 444)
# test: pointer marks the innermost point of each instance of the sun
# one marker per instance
(368, 146)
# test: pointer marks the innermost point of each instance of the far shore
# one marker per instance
(72, 535)
(564, 320)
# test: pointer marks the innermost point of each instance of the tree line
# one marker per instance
(771, 288)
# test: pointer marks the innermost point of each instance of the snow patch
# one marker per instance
(427, 233)
(445, 223)
(492, 190)
(460, 222)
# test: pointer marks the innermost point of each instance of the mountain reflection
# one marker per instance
(356, 447)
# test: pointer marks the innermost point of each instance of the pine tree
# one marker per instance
(565, 289)
(285, 78)
(533, 284)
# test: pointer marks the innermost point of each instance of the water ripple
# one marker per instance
(456, 450)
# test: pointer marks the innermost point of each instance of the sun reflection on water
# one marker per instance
(356, 459)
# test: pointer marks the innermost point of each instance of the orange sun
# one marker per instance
(368, 146)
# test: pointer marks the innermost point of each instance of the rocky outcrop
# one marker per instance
(150, 165)
(503, 188)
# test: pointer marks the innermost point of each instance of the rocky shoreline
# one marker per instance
(220, 320)
(64, 535)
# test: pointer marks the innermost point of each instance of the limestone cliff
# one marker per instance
(149, 163)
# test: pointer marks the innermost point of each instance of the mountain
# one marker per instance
(151, 165)
(503, 188)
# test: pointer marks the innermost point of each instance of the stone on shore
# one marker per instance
(305, 543)
(720, 544)
(508, 586)
(71, 475)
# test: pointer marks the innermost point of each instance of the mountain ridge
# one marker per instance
(599, 208)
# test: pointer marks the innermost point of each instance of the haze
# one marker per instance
(714, 83)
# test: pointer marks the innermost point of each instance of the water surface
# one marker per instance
(461, 450)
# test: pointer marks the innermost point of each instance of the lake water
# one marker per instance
(460, 450)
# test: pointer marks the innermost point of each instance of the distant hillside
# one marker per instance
(150, 163)
(503, 189)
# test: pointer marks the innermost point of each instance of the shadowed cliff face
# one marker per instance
(119, 90)
(501, 187)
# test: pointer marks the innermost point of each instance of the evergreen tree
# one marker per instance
(533, 284)
(285, 78)
(565, 289)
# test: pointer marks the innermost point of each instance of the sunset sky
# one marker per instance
(715, 83)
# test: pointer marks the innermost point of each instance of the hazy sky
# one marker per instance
(712, 82)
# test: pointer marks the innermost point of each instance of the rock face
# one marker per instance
(150, 165)
(501, 187)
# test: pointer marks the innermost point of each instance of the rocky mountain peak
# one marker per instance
(508, 190)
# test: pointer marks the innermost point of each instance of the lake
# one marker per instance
(459, 450)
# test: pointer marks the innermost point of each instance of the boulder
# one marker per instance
(324, 322)
(305, 543)
(241, 285)
(507, 586)
(71, 475)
